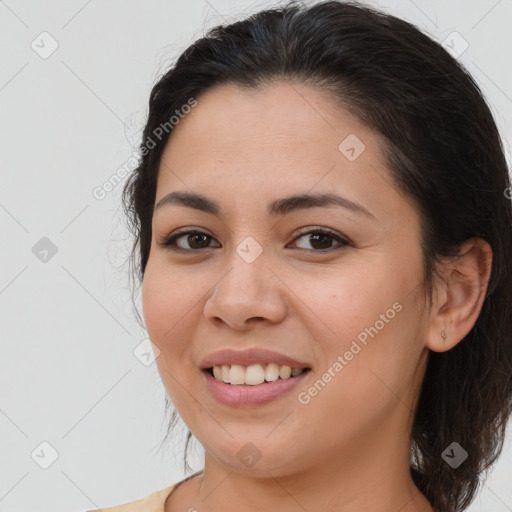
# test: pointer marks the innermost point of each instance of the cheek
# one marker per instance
(154, 304)
(166, 291)
(344, 301)
(369, 319)
(166, 306)
(164, 303)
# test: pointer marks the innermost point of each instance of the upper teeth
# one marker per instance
(253, 374)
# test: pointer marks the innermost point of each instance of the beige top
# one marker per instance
(155, 502)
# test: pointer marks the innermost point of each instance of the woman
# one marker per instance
(322, 224)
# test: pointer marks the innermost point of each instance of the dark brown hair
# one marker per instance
(445, 154)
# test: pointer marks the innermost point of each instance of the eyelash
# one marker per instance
(170, 241)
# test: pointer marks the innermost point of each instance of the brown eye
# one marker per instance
(196, 240)
(321, 240)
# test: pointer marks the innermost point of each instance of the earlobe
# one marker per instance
(460, 296)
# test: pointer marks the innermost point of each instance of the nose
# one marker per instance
(248, 293)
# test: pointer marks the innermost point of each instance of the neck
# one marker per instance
(372, 474)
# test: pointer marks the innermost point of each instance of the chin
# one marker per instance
(258, 458)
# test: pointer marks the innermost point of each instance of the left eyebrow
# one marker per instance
(279, 207)
(305, 201)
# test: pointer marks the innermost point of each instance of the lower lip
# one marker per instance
(243, 396)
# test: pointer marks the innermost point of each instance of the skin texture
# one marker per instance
(348, 448)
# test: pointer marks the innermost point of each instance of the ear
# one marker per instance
(459, 295)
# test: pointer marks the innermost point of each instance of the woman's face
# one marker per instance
(344, 303)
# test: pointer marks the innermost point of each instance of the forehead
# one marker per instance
(281, 139)
(230, 118)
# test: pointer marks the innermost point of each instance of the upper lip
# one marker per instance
(248, 357)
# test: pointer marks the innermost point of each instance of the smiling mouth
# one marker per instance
(254, 374)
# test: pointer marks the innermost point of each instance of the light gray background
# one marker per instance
(68, 374)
